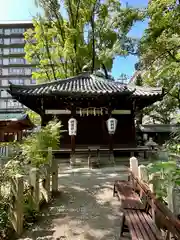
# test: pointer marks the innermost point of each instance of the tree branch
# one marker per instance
(173, 56)
(46, 45)
(93, 37)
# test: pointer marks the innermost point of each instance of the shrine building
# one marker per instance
(91, 100)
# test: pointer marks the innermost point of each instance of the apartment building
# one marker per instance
(13, 66)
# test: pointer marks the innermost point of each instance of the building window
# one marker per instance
(16, 60)
(16, 71)
(7, 41)
(17, 30)
(7, 31)
(4, 94)
(17, 81)
(17, 50)
(33, 81)
(1, 41)
(17, 40)
(13, 104)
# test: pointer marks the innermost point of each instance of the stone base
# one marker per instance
(73, 160)
(111, 158)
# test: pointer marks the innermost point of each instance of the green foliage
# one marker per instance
(162, 112)
(168, 174)
(30, 214)
(33, 150)
(4, 221)
(159, 54)
(91, 33)
(34, 117)
(35, 146)
(173, 144)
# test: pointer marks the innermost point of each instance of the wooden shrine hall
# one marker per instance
(91, 100)
(12, 129)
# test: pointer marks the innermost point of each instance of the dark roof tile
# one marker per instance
(83, 84)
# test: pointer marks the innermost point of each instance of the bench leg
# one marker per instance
(114, 191)
(122, 225)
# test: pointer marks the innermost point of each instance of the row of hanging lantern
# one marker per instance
(72, 126)
(91, 111)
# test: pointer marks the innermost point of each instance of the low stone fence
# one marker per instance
(38, 188)
(173, 192)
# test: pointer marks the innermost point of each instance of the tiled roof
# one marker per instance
(10, 116)
(145, 91)
(83, 84)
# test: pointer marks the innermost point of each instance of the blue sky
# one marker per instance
(25, 10)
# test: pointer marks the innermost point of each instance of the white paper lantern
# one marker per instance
(72, 126)
(111, 125)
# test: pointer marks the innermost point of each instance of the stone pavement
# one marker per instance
(85, 209)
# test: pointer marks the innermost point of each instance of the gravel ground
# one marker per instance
(85, 209)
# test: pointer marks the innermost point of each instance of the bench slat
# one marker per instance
(135, 224)
(131, 227)
(138, 219)
(141, 226)
(153, 227)
(150, 228)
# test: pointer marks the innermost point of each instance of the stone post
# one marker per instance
(170, 196)
(54, 170)
(143, 173)
(153, 178)
(176, 200)
(173, 198)
(134, 170)
(35, 192)
(134, 166)
(73, 159)
(16, 208)
(46, 184)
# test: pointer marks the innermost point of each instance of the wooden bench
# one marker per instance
(136, 211)
(128, 197)
(141, 223)
(137, 214)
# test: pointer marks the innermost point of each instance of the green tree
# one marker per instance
(78, 33)
(34, 117)
(159, 49)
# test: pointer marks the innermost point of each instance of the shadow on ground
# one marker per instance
(85, 209)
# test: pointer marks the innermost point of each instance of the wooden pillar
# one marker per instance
(133, 126)
(110, 143)
(54, 172)
(34, 183)
(45, 119)
(73, 145)
(1, 136)
(16, 206)
(46, 184)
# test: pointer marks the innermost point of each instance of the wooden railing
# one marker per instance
(35, 187)
(161, 214)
